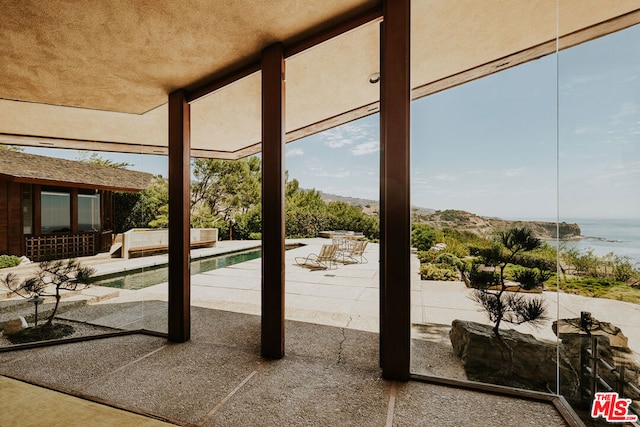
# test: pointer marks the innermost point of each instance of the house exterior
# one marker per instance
(52, 207)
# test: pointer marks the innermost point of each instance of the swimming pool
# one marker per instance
(156, 275)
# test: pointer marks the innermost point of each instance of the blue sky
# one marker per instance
(493, 146)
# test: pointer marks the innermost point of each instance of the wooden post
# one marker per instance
(585, 376)
(179, 228)
(73, 199)
(37, 210)
(273, 146)
(395, 213)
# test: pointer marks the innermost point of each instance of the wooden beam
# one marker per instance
(273, 148)
(81, 144)
(242, 71)
(367, 17)
(395, 214)
(179, 228)
(214, 85)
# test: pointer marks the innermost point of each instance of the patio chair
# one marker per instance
(324, 260)
(355, 255)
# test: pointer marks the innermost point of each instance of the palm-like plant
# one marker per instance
(499, 304)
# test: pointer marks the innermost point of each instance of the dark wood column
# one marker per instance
(395, 212)
(273, 146)
(179, 228)
(73, 198)
(37, 210)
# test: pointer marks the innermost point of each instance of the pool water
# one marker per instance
(156, 275)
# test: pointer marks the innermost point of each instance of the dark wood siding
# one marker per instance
(10, 218)
(15, 219)
(4, 218)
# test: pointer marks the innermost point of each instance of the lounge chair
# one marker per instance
(355, 255)
(324, 260)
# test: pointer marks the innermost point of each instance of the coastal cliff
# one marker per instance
(484, 226)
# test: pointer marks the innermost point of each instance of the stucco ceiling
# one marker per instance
(92, 74)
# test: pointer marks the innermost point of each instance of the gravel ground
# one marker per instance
(80, 330)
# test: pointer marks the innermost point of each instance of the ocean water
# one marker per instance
(620, 236)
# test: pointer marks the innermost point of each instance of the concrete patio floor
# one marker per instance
(330, 374)
(329, 377)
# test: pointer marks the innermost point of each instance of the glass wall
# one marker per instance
(599, 177)
(525, 225)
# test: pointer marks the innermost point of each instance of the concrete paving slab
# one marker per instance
(76, 366)
(182, 381)
(444, 407)
(301, 392)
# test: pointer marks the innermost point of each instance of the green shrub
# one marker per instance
(449, 259)
(623, 269)
(442, 272)
(482, 278)
(9, 261)
(530, 278)
(422, 237)
(255, 236)
(456, 247)
(426, 256)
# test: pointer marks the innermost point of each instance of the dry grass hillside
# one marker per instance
(467, 221)
(485, 226)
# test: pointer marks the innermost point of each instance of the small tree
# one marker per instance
(50, 278)
(508, 306)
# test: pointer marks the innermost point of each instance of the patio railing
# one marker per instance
(59, 246)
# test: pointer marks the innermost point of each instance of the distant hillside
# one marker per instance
(485, 226)
(369, 207)
(462, 220)
(350, 200)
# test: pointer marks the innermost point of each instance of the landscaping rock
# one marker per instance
(612, 349)
(616, 338)
(14, 325)
(513, 359)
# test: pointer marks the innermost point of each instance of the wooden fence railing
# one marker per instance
(593, 369)
(59, 246)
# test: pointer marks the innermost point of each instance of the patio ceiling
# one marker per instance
(96, 75)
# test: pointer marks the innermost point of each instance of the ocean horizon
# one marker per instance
(604, 236)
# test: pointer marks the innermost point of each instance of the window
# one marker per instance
(56, 212)
(88, 212)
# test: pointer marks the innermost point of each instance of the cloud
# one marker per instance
(627, 109)
(582, 130)
(336, 174)
(618, 170)
(348, 134)
(514, 172)
(444, 177)
(476, 171)
(294, 152)
(366, 148)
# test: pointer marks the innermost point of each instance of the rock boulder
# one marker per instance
(513, 359)
(14, 325)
